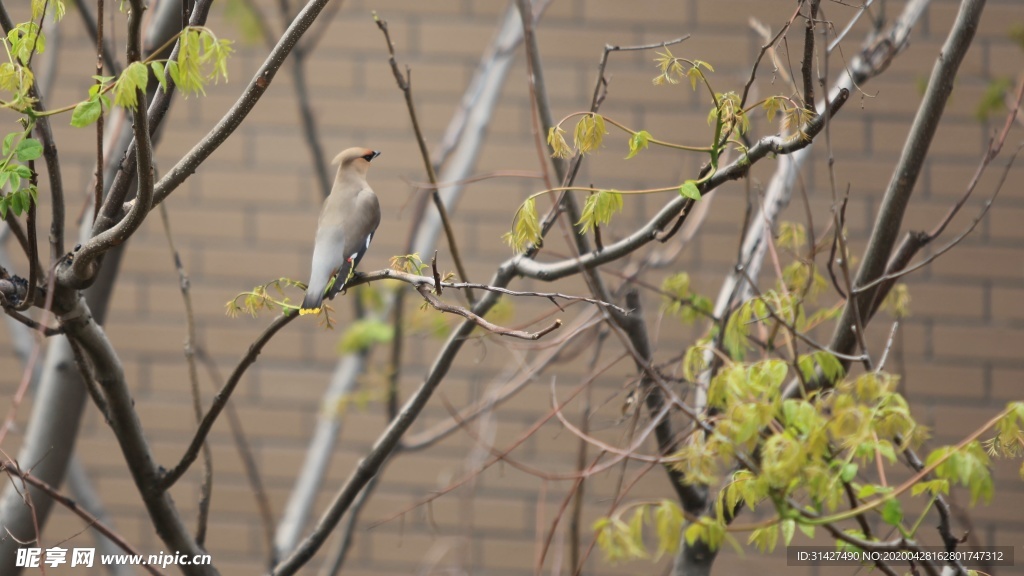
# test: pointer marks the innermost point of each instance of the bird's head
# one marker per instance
(357, 159)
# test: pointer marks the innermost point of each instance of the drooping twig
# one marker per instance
(206, 485)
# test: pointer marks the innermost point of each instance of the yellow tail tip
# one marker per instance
(304, 311)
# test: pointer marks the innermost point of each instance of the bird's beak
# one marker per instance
(375, 154)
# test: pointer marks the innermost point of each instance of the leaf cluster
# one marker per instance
(621, 540)
(587, 137)
(679, 301)
(599, 209)
(202, 58)
(526, 229)
(17, 149)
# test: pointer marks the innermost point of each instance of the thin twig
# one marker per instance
(428, 295)
(169, 477)
(252, 471)
(206, 486)
(404, 82)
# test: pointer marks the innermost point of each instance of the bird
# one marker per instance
(349, 218)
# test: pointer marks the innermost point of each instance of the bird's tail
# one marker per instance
(313, 301)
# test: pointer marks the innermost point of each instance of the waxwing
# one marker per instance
(348, 219)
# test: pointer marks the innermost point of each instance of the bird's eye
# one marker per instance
(368, 157)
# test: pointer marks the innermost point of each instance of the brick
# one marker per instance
(988, 261)
(1004, 222)
(1007, 383)
(1007, 304)
(937, 301)
(922, 381)
(953, 423)
(452, 38)
(353, 32)
(148, 337)
(287, 228)
(220, 188)
(1003, 57)
(988, 342)
(950, 179)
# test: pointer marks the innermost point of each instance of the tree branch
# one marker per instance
(904, 177)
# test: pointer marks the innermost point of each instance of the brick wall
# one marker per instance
(247, 217)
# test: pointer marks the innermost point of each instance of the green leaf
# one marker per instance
(17, 205)
(172, 69)
(668, 522)
(559, 147)
(8, 140)
(28, 149)
(771, 106)
(161, 77)
(3, 207)
(525, 227)
(892, 512)
(849, 472)
(788, 529)
(86, 113)
(590, 133)
(689, 190)
(765, 538)
(872, 489)
(638, 142)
